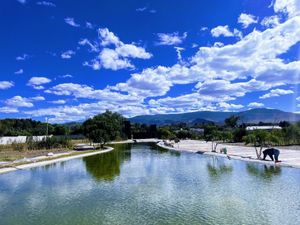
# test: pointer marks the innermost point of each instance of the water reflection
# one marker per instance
(107, 166)
(265, 172)
(217, 167)
(154, 147)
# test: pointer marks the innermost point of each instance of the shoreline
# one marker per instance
(229, 156)
(54, 159)
(195, 148)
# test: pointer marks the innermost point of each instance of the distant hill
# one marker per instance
(249, 116)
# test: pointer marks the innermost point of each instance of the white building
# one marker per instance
(19, 139)
(251, 128)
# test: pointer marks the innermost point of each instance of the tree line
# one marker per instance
(110, 126)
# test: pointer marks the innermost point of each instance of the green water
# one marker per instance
(141, 184)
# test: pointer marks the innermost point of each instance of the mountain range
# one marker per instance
(249, 116)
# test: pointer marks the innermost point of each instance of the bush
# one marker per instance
(18, 146)
(48, 143)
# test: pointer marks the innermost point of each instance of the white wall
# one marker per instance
(19, 139)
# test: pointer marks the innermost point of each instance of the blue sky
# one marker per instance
(69, 60)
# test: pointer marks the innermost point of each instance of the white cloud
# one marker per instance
(20, 71)
(255, 61)
(59, 102)
(45, 3)
(37, 82)
(247, 19)
(145, 9)
(38, 98)
(22, 1)
(115, 58)
(18, 101)
(89, 25)
(142, 9)
(171, 38)
(84, 91)
(108, 38)
(6, 85)
(290, 7)
(256, 105)
(6, 109)
(276, 93)
(271, 21)
(146, 84)
(66, 76)
(229, 107)
(225, 31)
(178, 51)
(71, 22)
(22, 57)
(67, 54)
(298, 99)
(218, 44)
(110, 59)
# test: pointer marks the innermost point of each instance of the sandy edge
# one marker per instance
(47, 162)
(160, 144)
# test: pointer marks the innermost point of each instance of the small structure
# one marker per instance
(83, 147)
(20, 139)
(197, 130)
(252, 128)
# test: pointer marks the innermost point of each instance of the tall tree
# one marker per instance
(231, 121)
(104, 127)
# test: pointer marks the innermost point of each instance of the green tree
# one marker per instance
(260, 139)
(231, 121)
(104, 127)
(211, 133)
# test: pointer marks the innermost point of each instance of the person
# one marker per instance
(271, 152)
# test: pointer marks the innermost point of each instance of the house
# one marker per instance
(251, 128)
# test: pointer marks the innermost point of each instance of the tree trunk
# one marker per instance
(258, 152)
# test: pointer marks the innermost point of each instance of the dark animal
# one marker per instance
(271, 152)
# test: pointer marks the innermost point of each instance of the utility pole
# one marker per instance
(47, 127)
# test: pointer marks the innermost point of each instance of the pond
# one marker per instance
(143, 184)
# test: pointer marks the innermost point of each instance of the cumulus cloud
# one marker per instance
(270, 21)
(71, 22)
(247, 19)
(226, 32)
(115, 54)
(22, 1)
(18, 102)
(222, 73)
(20, 71)
(290, 7)
(171, 38)
(38, 98)
(6, 85)
(6, 109)
(67, 54)
(108, 38)
(89, 25)
(229, 107)
(84, 91)
(256, 105)
(66, 76)
(22, 57)
(45, 3)
(59, 102)
(37, 82)
(276, 93)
